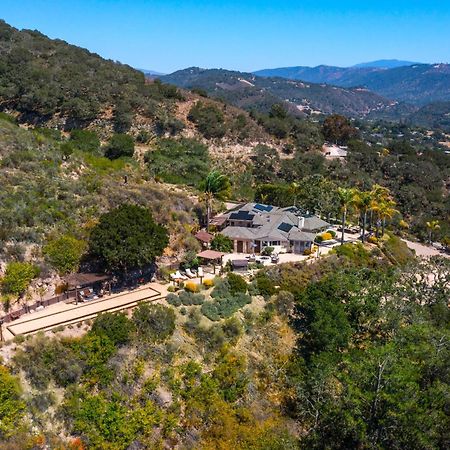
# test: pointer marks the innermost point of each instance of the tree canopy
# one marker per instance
(127, 237)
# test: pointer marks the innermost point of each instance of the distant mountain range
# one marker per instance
(150, 73)
(418, 84)
(249, 91)
(385, 64)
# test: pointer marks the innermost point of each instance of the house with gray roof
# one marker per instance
(253, 226)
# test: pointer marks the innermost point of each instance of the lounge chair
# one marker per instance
(178, 276)
(190, 273)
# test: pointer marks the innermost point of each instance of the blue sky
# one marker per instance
(167, 35)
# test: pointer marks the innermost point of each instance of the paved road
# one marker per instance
(64, 314)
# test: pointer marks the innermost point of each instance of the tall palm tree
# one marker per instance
(346, 200)
(383, 204)
(215, 185)
(385, 210)
(364, 202)
(433, 225)
(294, 189)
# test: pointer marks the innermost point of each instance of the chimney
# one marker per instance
(301, 222)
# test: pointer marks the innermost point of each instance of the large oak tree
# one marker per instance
(126, 238)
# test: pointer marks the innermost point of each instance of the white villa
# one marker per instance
(253, 226)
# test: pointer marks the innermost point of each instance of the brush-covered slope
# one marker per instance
(52, 83)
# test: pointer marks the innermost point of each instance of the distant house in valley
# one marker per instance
(332, 151)
(253, 226)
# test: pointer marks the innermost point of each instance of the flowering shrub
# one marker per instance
(208, 283)
(327, 236)
(190, 286)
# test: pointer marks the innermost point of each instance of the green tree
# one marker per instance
(222, 243)
(127, 237)
(18, 276)
(64, 253)
(154, 322)
(215, 185)
(120, 145)
(338, 129)
(12, 407)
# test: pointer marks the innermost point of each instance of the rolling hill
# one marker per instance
(249, 91)
(417, 84)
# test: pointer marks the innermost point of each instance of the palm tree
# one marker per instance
(380, 194)
(215, 185)
(294, 189)
(364, 203)
(386, 210)
(433, 225)
(383, 204)
(346, 200)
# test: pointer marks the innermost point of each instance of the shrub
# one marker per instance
(372, 240)
(85, 141)
(265, 285)
(236, 283)
(326, 236)
(332, 232)
(190, 286)
(120, 145)
(307, 251)
(173, 299)
(267, 251)
(208, 283)
(221, 289)
(210, 310)
(318, 239)
(208, 119)
(154, 322)
(116, 326)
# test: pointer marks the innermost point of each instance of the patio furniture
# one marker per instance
(190, 273)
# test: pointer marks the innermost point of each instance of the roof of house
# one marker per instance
(210, 254)
(84, 279)
(271, 223)
(204, 236)
(314, 223)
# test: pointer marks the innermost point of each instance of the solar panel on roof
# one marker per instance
(286, 227)
(265, 208)
(242, 215)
